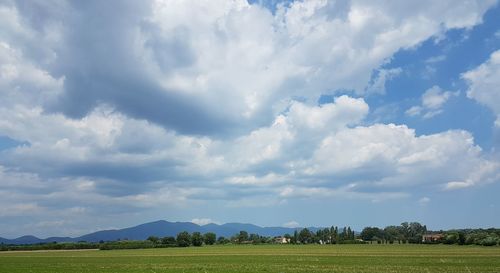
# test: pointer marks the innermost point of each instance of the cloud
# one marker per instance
(435, 59)
(484, 84)
(424, 200)
(344, 192)
(169, 58)
(23, 82)
(384, 75)
(157, 107)
(20, 209)
(486, 172)
(380, 157)
(497, 34)
(291, 224)
(203, 221)
(432, 102)
(307, 152)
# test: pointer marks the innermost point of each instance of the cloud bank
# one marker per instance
(127, 106)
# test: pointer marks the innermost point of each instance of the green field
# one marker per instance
(266, 258)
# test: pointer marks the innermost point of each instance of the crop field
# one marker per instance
(264, 258)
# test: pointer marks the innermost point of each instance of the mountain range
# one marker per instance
(160, 228)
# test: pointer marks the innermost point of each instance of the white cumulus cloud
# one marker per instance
(484, 84)
(433, 100)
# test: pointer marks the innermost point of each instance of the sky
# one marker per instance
(276, 113)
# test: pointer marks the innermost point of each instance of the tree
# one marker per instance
(323, 235)
(461, 238)
(197, 239)
(343, 235)
(295, 237)
(153, 239)
(255, 238)
(370, 233)
(405, 228)
(242, 236)
(305, 236)
(451, 238)
(334, 234)
(222, 240)
(350, 234)
(169, 240)
(183, 239)
(416, 230)
(209, 238)
(489, 241)
(393, 233)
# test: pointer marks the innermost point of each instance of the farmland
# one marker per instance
(262, 258)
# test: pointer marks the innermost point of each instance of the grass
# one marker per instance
(266, 258)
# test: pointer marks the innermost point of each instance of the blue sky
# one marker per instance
(292, 113)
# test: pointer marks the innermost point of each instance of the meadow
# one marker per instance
(262, 258)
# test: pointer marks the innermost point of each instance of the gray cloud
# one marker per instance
(198, 75)
(100, 61)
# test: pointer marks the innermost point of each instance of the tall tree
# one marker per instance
(370, 233)
(255, 238)
(393, 233)
(343, 235)
(197, 239)
(209, 238)
(183, 239)
(305, 236)
(242, 236)
(295, 238)
(332, 235)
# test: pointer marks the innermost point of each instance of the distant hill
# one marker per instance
(29, 239)
(161, 229)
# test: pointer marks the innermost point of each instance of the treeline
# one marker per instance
(183, 239)
(404, 233)
(50, 246)
(332, 235)
(483, 237)
(413, 233)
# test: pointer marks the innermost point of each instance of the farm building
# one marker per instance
(429, 238)
(281, 240)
